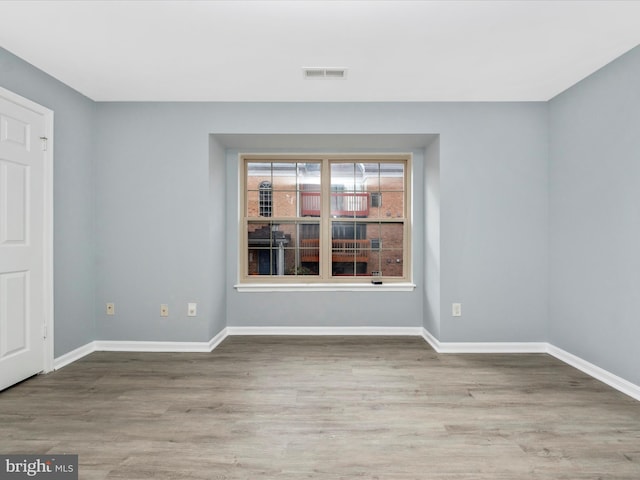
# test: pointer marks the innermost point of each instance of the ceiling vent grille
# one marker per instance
(325, 72)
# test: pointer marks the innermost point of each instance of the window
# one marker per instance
(322, 219)
(265, 201)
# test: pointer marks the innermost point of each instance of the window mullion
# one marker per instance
(325, 220)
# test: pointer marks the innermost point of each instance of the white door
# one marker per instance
(23, 232)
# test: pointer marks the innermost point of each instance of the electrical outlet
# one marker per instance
(111, 308)
(192, 309)
(164, 310)
(456, 310)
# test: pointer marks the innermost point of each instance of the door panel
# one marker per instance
(22, 233)
(13, 314)
(14, 216)
(13, 130)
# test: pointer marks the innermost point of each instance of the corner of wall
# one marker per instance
(431, 320)
(218, 241)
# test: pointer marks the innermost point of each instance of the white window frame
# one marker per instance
(324, 282)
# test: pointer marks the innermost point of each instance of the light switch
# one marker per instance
(192, 309)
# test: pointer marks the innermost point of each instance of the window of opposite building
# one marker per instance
(325, 219)
(265, 199)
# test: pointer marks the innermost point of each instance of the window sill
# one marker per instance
(325, 287)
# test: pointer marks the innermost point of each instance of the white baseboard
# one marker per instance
(73, 355)
(217, 340)
(135, 346)
(590, 369)
(430, 339)
(596, 372)
(483, 347)
(382, 331)
(129, 346)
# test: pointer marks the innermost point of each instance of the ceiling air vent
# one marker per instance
(335, 73)
(325, 72)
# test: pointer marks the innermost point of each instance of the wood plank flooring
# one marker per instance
(325, 408)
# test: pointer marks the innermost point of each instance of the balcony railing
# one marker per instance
(342, 204)
(341, 250)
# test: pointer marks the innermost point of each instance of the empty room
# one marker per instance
(320, 239)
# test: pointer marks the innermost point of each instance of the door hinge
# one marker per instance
(44, 331)
(43, 143)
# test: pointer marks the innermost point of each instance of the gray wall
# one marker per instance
(493, 221)
(153, 181)
(155, 197)
(156, 194)
(536, 203)
(595, 218)
(217, 238)
(431, 180)
(319, 309)
(74, 272)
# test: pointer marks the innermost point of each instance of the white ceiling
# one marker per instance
(255, 50)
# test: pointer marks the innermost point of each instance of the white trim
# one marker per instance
(483, 347)
(381, 331)
(125, 346)
(49, 345)
(73, 355)
(596, 372)
(493, 347)
(325, 287)
(430, 339)
(217, 339)
(143, 346)
(48, 363)
(590, 369)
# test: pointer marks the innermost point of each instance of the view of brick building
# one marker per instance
(367, 218)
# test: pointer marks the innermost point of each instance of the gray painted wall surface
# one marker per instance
(217, 238)
(320, 309)
(431, 180)
(537, 202)
(595, 219)
(493, 222)
(152, 181)
(153, 208)
(162, 197)
(74, 273)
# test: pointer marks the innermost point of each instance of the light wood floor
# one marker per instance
(325, 408)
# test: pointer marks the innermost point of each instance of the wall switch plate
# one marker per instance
(192, 309)
(456, 309)
(111, 308)
(164, 310)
